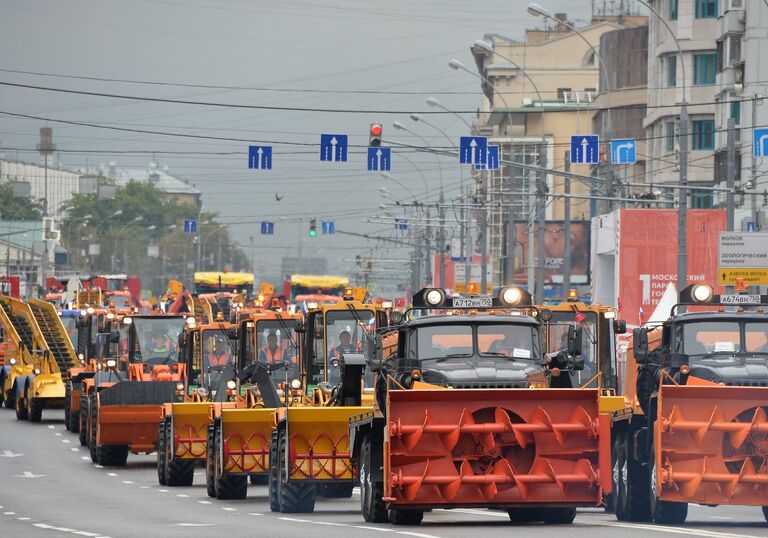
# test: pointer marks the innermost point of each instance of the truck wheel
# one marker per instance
(558, 516)
(210, 455)
(335, 491)
(227, 486)
(179, 472)
(406, 517)
(664, 512)
(82, 420)
(35, 409)
(8, 398)
(258, 479)
(371, 493)
(162, 455)
(93, 420)
(21, 408)
(112, 455)
(67, 406)
(295, 496)
(765, 512)
(274, 473)
(636, 504)
(619, 478)
(525, 515)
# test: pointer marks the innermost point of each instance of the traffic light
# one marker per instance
(312, 227)
(374, 136)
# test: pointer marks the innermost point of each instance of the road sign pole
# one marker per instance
(484, 234)
(682, 210)
(541, 210)
(567, 226)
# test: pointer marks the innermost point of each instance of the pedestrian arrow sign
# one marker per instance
(379, 159)
(333, 147)
(492, 160)
(761, 142)
(585, 149)
(623, 151)
(260, 157)
(473, 150)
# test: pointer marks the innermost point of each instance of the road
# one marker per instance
(50, 488)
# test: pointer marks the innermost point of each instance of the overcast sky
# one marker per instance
(345, 48)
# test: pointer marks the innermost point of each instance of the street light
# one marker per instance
(387, 175)
(434, 103)
(125, 247)
(84, 219)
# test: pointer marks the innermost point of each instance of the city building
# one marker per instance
(694, 25)
(39, 181)
(741, 85)
(173, 188)
(22, 250)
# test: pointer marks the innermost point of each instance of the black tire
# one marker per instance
(227, 486)
(67, 406)
(371, 493)
(525, 515)
(35, 410)
(335, 491)
(558, 516)
(21, 408)
(112, 455)
(406, 517)
(210, 455)
(636, 504)
(765, 512)
(179, 472)
(274, 472)
(619, 478)
(296, 497)
(8, 399)
(663, 512)
(162, 455)
(92, 424)
(82, 421)
(258, 479)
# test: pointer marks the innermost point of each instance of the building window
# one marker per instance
(669, 136)
(702, 199)
(673, 10)
(719, 51)
(671, 71)
(706, 9)
(562, 92)
(734, 49)
(704, 66)
(736, 112)
(703, 134)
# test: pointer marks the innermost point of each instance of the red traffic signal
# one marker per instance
(374, 136)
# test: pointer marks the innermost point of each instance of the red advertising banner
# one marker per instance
(648, 248)
(554, 252)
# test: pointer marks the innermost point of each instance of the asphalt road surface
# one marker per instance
(49, 488)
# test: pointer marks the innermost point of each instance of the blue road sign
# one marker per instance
(329, 227)
(333, 148)
(492, 160)
(473, 150)
(401, 224)
(624, 151)
(379, 159)
(190, 226)
(585, 149)
(267, 228)
(761, 142)
(260, 157)
(751, 226)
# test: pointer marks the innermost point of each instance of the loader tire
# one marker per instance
(21, 408)
(92, 424)
(371, 493)
(178, 472)
(663, 512)
(637, 506)
(82, 420)
(258, 479)
(227, 486)
(558, 516)
(296, 497)
(274, 473)
(162, 455)
(619, 478)
(35, 411)
(525, 515)
(112, 455)
(335, 491)
(210, 455)
(8, 398)
(765, 512)
(67, 406)
(406, 517)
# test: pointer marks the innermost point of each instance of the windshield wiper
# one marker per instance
(446, 357)
(496, 354)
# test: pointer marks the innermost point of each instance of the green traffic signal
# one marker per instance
(312, 233)
(312, 227)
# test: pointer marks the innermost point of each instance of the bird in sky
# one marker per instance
(278, 197)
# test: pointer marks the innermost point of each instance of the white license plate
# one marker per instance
(740, 299)
(472, 302)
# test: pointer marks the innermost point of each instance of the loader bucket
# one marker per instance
(712, 444)
(319, 442)
(132, 425)
(190, 428)
(246, 434)
(496, 448)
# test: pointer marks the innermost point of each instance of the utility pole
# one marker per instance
(567, 226)
(755, 103)
(682, 210)
(484, 234)
(469, 250)
(428, 252)
(541, 185)
(731, 173)
(441, 248)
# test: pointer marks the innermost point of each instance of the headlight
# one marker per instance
(81, 357)
(83, 313)
(111, 363)
(90, 310)
(127, 321)
(12, 361)
(295, 384)
(37, 371)
(386, 304)
(435, 297)
(311, 305)
(511, 296)
(179, 386)
(191, 321)
(702, 293)
(609, 315)
(231, 385)
(110, 315)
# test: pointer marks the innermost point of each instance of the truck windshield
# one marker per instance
(515, 341)
(157, 340)
(275, 342)
(216, 348)
(756, 337)
(707, 337)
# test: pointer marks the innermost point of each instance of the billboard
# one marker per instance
(554, 250)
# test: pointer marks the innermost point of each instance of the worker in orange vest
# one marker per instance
(271, 352)
(219, 356)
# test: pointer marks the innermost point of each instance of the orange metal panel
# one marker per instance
(129, 425)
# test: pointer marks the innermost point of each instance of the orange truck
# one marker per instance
(126, 399)
(695, 421)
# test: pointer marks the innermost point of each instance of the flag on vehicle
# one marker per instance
(580, 317)
(641, 316)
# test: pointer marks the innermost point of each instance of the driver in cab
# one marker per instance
(160, 344)
(272, 352)
(345, 345)
(510, 346)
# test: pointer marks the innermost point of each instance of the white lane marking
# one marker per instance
(476, 512)
(98, 466)
(668, 530)
(28, 474)
(41, 526)
(417, 534)
(182, 495)
(331, 523)
(9, 454)
(720, 517)
(200, 474)
(9, 513)
(111, 474)
(23, 518)
(228, 509)
(127, 482)
(57, 434)
(204, 502)
(163, 490)
(66, 441)
(144, 487)
(74, 449)
(254, 514)
(51, 427)
(86, 533)
(380, 529)
(85, 458)
(192, 524)
(295, 520)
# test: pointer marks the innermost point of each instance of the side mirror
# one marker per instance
(396, 318)
(232, 334)
(301, 327)
(574, 341)
(620, 326)
(114, 337)
(640, 345)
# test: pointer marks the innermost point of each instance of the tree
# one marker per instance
(12, 208)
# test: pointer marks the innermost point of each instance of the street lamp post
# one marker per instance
(125, 246)
(83, 219)
(98, 226)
